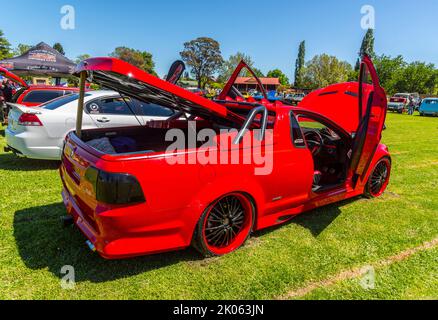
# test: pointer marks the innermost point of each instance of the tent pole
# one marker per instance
(83, 78)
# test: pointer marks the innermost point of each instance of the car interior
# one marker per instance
(331, 151)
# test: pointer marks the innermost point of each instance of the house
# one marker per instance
(245, 84)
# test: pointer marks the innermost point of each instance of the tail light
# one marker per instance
(29, 120)
(115, 188)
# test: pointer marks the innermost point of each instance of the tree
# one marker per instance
(367, 47)
(203, 56)
(416, 77)
(21, 49)
(82, 57)
(5, 47)
(258, 72)
(141, 59)
(388, 69)
(277, 73)
(231, 64)
(300, 64)
(58, 47)
(324, 70)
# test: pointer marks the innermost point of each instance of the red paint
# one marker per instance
(177, 196)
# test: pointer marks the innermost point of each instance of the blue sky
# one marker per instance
(269, 31)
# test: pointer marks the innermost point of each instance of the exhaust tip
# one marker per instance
(90, 245)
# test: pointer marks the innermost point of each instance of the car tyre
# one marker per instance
(225, 225)
(379, 179)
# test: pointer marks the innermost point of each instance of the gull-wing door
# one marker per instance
(230, 90)
(372, 115)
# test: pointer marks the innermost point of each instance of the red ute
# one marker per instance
(131, 192)
(34, 95)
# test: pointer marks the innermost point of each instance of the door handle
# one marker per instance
(103, 120)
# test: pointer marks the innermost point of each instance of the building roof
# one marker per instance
(264, 81)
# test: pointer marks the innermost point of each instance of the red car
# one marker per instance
(151, 198)
(34, 95)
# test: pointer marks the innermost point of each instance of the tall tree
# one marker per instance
(82, 57)
(5, 47)
(141, 59)
(231, 64)
(300, 64)
(418, 77)
(203, 56)
(21, 49)
(367, 47)
(389, 69)
(277, 73)
(324, 70)
(58, 47)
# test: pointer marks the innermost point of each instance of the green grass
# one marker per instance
(313, 247)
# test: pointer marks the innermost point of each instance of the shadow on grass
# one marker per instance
(43, 243)
(316, 221)
(9, 161)
(2, 132)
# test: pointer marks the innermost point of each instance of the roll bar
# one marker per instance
(249, 120)
(83, 78)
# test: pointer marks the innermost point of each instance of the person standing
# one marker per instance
(411, 106)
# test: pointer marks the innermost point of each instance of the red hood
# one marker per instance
(13, 77)
(338, 102)
(133, 82)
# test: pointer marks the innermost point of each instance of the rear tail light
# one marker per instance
(29, 120)
(115, 188)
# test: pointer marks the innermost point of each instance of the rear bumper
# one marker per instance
(429, 113)
(26, 144)
(395, 107)
(125, 232)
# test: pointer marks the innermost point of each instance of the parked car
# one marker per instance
(40, 133)
(35, 95)
(400, 102)
(146, 201)
(429, 107)
(295, 99)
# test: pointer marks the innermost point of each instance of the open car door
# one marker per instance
(372, 115)
(230, 91)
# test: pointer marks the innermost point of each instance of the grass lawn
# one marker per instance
(312, 248)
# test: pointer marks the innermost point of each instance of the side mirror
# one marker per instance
(246, 125)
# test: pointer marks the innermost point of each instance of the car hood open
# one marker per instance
(13, 77)
(130, 81)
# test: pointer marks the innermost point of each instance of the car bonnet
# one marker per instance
(130, 81)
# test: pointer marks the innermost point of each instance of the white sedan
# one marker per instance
(39, 133)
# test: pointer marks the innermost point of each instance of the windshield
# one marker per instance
(59, 102)
(431, 101)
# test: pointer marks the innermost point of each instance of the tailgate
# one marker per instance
(75, 163)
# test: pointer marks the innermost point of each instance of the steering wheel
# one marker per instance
(314, 141)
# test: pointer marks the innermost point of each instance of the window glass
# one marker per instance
(297, 134)
(41, 96)
(151, 109)
(112, 105)
(59, 102)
